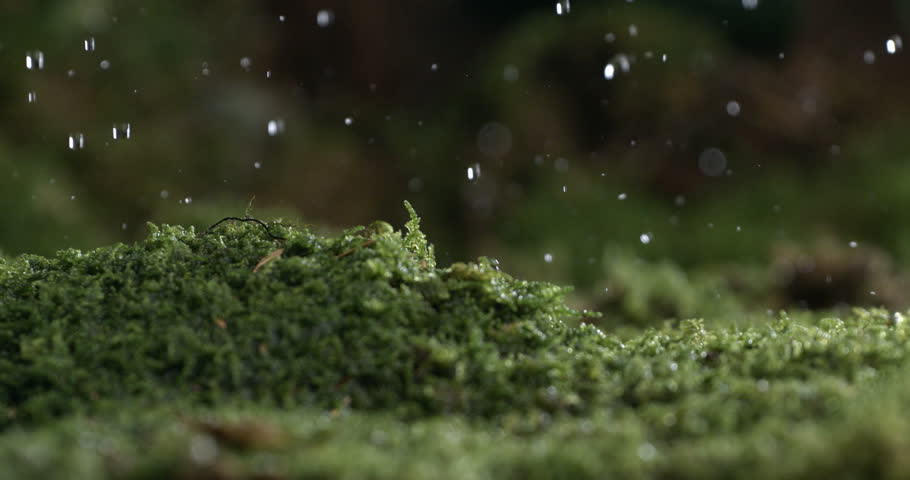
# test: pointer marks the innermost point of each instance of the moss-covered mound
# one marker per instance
(253, 352)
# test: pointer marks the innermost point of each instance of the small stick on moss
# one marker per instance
(268, 258)
(354, 249)
(238, 219)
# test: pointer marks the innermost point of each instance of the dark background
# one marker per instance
(748, 159)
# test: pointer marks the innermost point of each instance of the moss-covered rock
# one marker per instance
(253, 352)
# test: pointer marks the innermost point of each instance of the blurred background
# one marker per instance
(720, 158)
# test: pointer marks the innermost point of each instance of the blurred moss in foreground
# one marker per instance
(247, 352)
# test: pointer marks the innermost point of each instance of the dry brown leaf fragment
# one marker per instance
(268, 258)
(221, 323)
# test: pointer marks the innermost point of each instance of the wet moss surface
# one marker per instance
(246, 352)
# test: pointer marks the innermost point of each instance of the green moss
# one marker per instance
(237, 356)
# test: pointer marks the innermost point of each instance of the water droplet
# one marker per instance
(32, 97)
(618, 64)
(712, 162)
(124, 226)
(324, 18)
(645, 238)
(246, 63)
(894, 44)
(733, 108)
(282, 18)
(565, 189)
(474, 172)
(71, 73)
(275, 127)
(34, 60)
(205, 69)
(853, 244)
(76, 141)
(633, 30)
(89, 44)
(121, 131)
(647, 452)
(510, 73)
(750, 4)
(494, 140)
(164, 194)
(663, 58)
(610, 37)
(257, 165)
(349, 121)
(563, 7)
(72, 197)
(187, 200)
(869, 57)
(268, 74)
(622, 196)
(739, 229)
(679, 200)
(434, 67)
(104, 64)
(548, 257)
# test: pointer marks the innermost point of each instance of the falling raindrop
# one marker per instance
(324, 18)
(205, 69)
(434, 67)
(563, 7)
(609, 71)
(187, 200)
(894, 44)
(282, 18)
(164, 194)
(548, 257)
(622, 196)
(750, 4)
(633, 30)
(645, 238)
(76, 141)
(121, 131)
(474, 172)
(733, 108)
(349, 121)
(869, 57)
(510, 73)
(494, 140)
(89, 44)
(32, 97)
(618, 64)
(712, 162)
(246, 63)
(853, 244)
(104, 64)
(257, 165)
(275, 127)
(34, 60)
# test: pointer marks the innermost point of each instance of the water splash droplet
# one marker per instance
(246, 63)
(325, 17)
(32, 97)
(104, 64)
(474, 172)
(349, 121)
(257, 165)
(712, 162)
(89, 44)
(76, 141)
(434, 67)
(733, 108)
(34, 60)
(894, 44)
(563, 7)
(275, 127)
(620, 63)
(869, 57)
(853, 244)
(282, 18)
(622, 196)
(164, 194)
(750, 4)
(548, 257)
(122, 131)
(645, 238)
